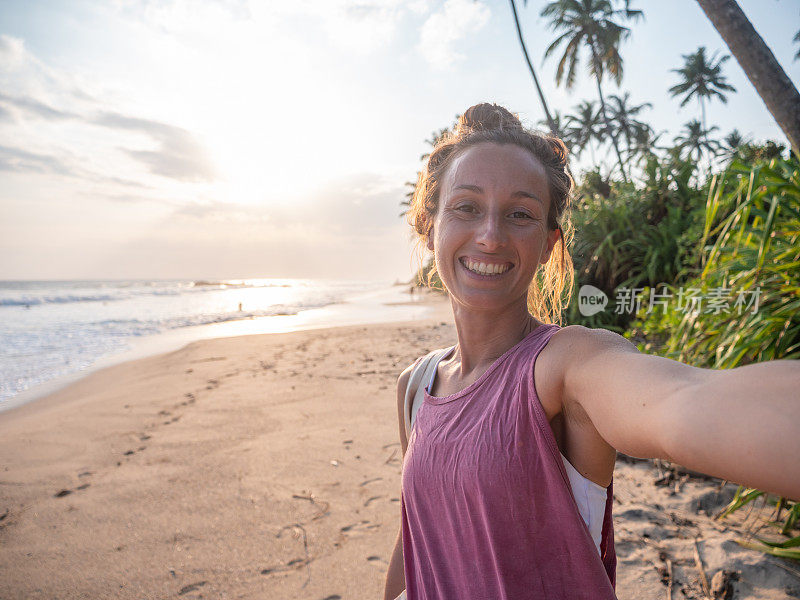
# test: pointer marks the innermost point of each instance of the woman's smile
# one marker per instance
(485, 269)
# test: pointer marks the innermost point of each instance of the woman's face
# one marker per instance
(490, 231)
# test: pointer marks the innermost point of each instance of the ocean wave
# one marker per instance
(126, 292)
(36, 300)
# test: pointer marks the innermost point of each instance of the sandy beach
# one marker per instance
(268, 466)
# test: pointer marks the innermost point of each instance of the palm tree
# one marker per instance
(696, 141)
(623, 118)
(550, 121)
(590, 24)
(702, 79)
(558, 122)
(732, 142)
(759, 64)
(583, 127)
(644, 142)
(796, 38)
(435, 138)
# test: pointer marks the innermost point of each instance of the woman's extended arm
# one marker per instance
(740, 424)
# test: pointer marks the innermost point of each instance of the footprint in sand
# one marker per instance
(360, 528)
(66, 492)
(377, 561)
(191, 587)
(363, 483)
(295, 563)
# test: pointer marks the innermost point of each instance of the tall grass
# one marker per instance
(750, 246)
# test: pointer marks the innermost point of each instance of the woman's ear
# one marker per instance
(552, 238)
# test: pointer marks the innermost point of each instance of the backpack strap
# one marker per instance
(415, 391)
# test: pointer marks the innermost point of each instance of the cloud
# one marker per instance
(180, 156)
(34, 107)
(361, 206)
(444, 29)
(12, 51)
(17, 160)
(32, 91)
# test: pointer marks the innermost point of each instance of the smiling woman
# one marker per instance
(542, 202)
(509, 437)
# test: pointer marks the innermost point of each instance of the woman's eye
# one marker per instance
(518, 214)
(468, 208)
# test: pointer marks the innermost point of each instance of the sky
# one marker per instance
(159, 139)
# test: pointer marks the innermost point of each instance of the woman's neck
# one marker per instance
(484, 336)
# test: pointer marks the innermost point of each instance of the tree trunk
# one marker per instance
(759, 64)
(553, 129)
(611, 131)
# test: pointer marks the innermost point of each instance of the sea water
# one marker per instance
(49, 329)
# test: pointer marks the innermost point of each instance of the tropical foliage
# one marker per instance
(743, 306)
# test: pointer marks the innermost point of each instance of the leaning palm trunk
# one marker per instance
(759, 64)
(550, 122)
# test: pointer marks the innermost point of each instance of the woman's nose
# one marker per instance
(491, 234)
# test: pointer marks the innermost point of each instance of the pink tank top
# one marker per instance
(486, 504)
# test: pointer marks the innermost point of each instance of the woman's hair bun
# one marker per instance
(487, 116)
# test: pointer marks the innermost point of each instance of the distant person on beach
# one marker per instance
(510, 437)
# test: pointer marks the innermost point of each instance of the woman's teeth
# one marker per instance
(484, 268)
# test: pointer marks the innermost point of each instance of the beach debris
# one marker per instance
(82, 487)
(699, 564)
(4, 515)
(363, 483)
(63, 493)
(722, 584)
(334, 463)
(333, 597)
(324, 506)
(392, 458)
(681, 521)
(191, 587)
(370, 499)
(667, 577)
(298, 531)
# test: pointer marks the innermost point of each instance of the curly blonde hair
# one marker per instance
(492, 123)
